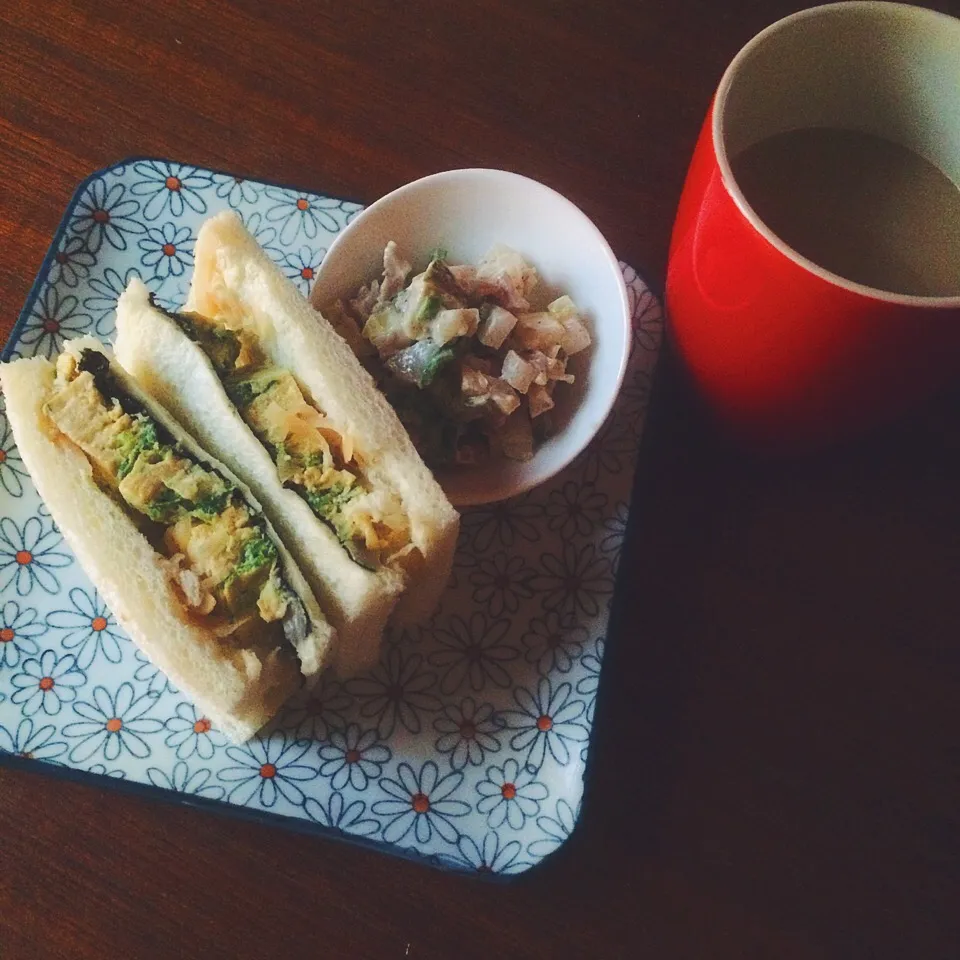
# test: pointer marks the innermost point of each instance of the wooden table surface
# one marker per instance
(777, 753)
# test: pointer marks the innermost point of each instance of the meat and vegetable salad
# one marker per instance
(469, 356)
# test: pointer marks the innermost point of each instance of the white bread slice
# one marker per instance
(176, 372)
(234, 278)
(235, 690)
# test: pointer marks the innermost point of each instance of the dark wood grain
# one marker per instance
(776, 763)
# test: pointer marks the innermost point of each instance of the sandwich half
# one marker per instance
(271, 389)
(177, 546)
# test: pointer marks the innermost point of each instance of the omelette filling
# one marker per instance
(312, 458)
(225, 567)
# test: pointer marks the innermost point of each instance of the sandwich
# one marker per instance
(176, 544)
(268, 386)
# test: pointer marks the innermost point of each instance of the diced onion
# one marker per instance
(448, 324)
(516, 437)
(473, 383)
(466, 277)
(557, 370)
(538, 331)
(503, 396)
(496, 327)
(540, 400)
(540, 363)
(575, 336)
(395, 272)
(517, 372)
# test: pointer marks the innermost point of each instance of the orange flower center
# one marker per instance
(544, 723)
(51, 326)
(24, 557)
(99, 623)
(169, 249)
(202, 726)
(268, 771)
(307, 273)
(467, 730)
(46, 683)
(61, 257)
(303, 203)
(26, 754)
(508, 791)
(3, 455)
(553, 641)
(172, 183)
(352, 756)
(101, 216)
(420, 802)
(6, 635)
(114, 724)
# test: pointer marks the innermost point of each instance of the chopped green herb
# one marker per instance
(435, 364)
(328, 503)
(244, 392)
(256, 553)
(166, 505)
(213, 505)
(221, 346)
(141, 437)
(428, 309)
(438, 253)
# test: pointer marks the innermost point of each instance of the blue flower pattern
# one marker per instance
(167, 251)
(102, 306)
(112, 724)
(88, 628)
(13, 474)
(421, 802)
(29, 555)
(468, 732)
(353, 756)
(269, 769)
(33, 742)
(467, 742)
(510, 793)
(19, 630)
(71, 263)
(151, 676)
(546, 723)
(55, 317)
(184, 780)
(192, 734)
(340, 814)
(44, 685)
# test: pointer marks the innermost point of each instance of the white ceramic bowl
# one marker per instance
(466, 212)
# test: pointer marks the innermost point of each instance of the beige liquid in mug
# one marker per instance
(862, 207)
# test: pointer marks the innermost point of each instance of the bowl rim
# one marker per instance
(612, 384)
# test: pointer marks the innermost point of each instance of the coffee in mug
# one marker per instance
(859, 205)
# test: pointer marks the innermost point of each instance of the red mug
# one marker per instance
(786, 353)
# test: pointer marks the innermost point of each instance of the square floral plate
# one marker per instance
(467, 744)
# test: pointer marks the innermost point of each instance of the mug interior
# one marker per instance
(886, 69)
